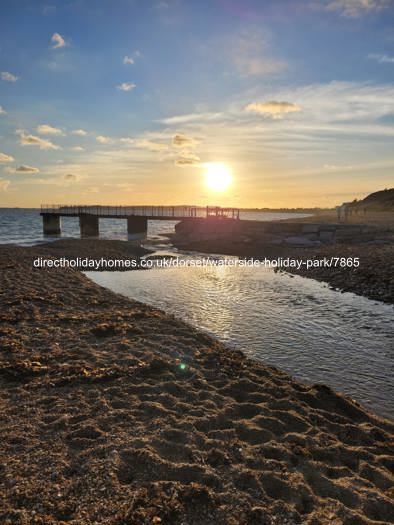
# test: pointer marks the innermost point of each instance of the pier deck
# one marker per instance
(137, 216)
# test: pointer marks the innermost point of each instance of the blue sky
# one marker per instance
(128, 101)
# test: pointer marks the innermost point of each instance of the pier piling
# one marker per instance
(137, 227)
(89, 225)
(51, 224)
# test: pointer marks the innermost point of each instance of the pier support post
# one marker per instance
(50, 224)
(137, 227)
(89, 225)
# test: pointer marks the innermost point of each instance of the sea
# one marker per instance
(296, 324)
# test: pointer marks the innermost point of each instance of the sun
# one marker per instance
(217, 176)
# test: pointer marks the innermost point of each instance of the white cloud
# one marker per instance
(5, 158)
(102, 139)
(126, 86)
(2, 111)
(355, 8)
(79, 132)
(4, 183)
(382, 59)
(31, 140)
(127, 140)
(57, 41)
(77, 148)
(46, 129)
(8, 77)
(273, 108)
(129, 60)
(27, 169)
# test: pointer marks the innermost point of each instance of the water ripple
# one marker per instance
(297, 324)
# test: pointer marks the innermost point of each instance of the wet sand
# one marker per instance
(113, 412)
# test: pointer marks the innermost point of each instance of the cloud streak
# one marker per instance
(273, 108)
(190, 117)
(27, 169)
(382, 59)
(8, 77)
(32, 140)
(186, 162)
(188, 159)
(5, 158)
(355, 8)
(183, 141)
(70, 177)
(150, 145)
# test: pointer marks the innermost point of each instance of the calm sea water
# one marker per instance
(23, 226)
(296, 324)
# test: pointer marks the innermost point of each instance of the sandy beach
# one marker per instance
(116, 413)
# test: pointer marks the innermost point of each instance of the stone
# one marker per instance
(326, 236)
(310, 228)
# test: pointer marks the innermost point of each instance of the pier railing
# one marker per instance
(175, 212)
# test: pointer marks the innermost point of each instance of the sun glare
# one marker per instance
(217, 176)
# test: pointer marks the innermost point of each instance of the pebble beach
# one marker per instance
(116, 413)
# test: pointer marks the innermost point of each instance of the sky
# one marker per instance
(131, 101)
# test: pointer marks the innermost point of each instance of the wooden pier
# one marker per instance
(137, 216)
